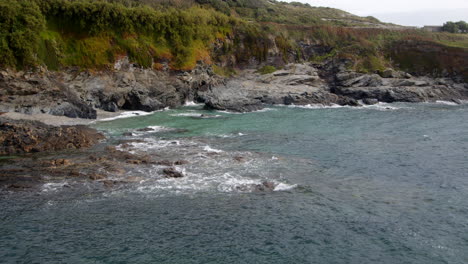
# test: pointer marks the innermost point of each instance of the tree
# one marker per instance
(455, 27)
(462, 26)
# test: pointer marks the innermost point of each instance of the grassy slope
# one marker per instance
(94, 34)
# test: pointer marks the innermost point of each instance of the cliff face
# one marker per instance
(78, 93)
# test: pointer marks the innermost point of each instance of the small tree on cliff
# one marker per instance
(455, 27)
(462, 26)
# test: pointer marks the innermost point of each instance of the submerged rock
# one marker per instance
(181, 162)
(172, 173)
(265, 186)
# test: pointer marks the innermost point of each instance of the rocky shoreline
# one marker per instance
(68, 100)
(303, 84)
(76, 94)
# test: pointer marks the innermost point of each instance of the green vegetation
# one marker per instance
(455, 27)
(20, 25)
(267, 69)
(224, 71)
(94, 34)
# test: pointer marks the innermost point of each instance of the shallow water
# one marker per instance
(381, 184)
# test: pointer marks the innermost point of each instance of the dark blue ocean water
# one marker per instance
(354, 185)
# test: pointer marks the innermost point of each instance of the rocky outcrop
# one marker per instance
(19, 136)
(398, 87)
(77, 94)
(107, 167)
(328, 84)
(40, 93)
(73, 93)
(132, 88)
(298, 84)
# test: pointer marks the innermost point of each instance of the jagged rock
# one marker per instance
(75, 94)
(370, 101)
(367, 80)
(172, 173)
(96, 176)
(146, 129)
(74, 110)
(138, 100)
(181, 162)
(165, 163)
(263, 187)
(398, 87)
(57, 163)
(239, 159)
(229, 98)
(110, 107)
(19, 136)
(391, 73)
(241, 106)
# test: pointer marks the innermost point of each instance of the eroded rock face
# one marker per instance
(40, 93)
(398, 87)
(327, 84)
(133, 88)
(77, 94)
(298, 84)
(19, 136)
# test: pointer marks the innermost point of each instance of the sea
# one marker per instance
(386, 183)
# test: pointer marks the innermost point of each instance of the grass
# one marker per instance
(267, 69)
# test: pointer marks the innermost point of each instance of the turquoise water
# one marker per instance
(383, 184)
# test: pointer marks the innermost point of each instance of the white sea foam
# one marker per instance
(240, 113)
(149, 144)
(284, 187)
(446, 103)
(152, 129)
(263, 110)
(187, 114)
(127, 115)
(232, 183)
(317, 106)
(53, 186)
(191, 103)
(159, 128)
(204, 172)
(226, 135)
(381, 106)
(210, 149)
(229, 112)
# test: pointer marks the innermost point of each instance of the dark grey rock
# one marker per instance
(370, 101)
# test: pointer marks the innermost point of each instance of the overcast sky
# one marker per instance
(404, 12)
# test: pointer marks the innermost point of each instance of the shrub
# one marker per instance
(267, 69)
(20, 25)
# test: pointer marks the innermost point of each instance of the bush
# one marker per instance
(20, 25)
(267, 69)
